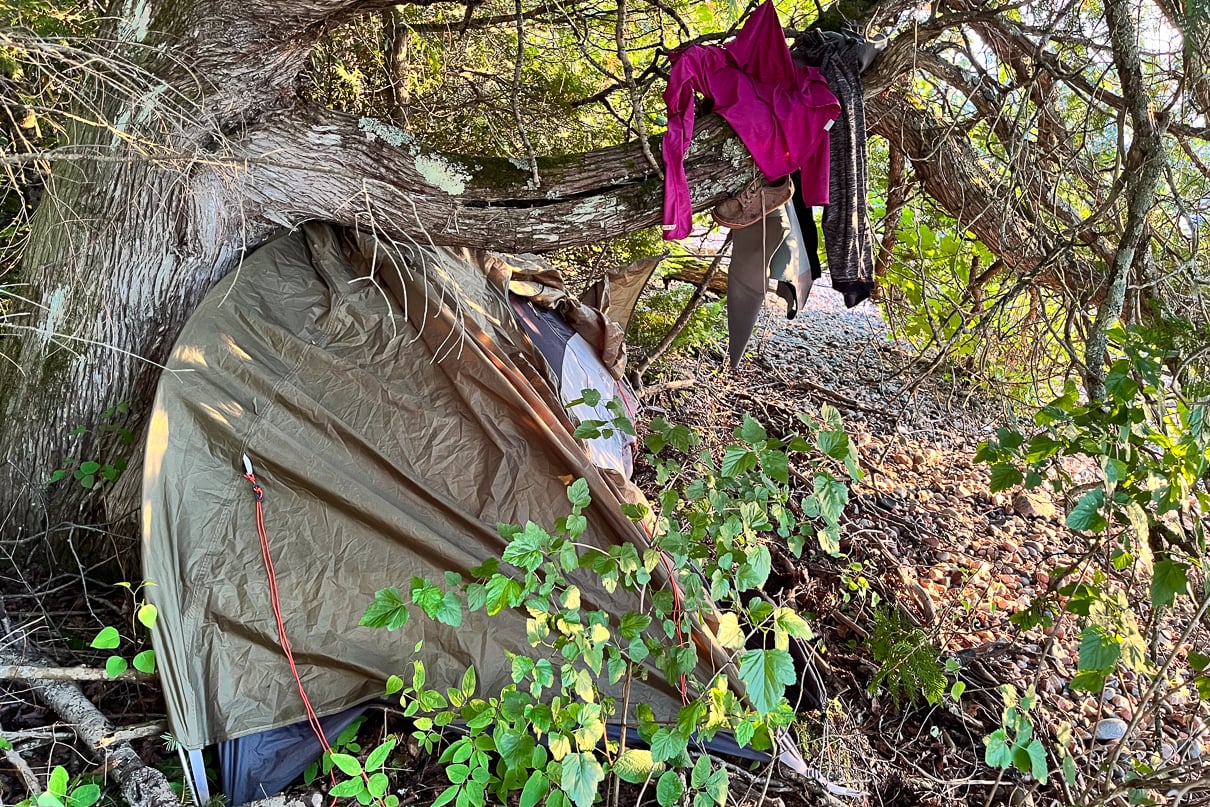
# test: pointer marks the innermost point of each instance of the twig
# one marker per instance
(529, 147)
(636, 98)
(32, 785)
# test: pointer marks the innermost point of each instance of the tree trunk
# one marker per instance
(159, 200)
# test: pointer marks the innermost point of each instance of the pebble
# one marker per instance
(1109, 729)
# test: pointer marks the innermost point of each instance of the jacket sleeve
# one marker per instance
(678, 210)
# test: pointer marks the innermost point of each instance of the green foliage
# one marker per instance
(657, 311)
(714, 527)
(108, 638)
(1014, 745)
(62, 792)
(111, 439)
(909, 664)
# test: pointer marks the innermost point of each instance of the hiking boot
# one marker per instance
(756, 200)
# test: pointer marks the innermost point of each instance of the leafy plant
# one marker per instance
(656, 312)
(93, 472)
(1014, 745)
(60, 792)
(542, 737)
(909, 664)
(108, 638)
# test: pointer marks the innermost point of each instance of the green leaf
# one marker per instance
(794, 625)
(1041, 447)
(347, 763)
(717, 785)
(591, 397)
(578, 495)
(737, 460)
(377, 786)
(667, 744)
(84, 796)
(777, 465)
(379, 755)
(449, 611)
(387, 611)
(1098, 650)
(632, 625)
(90, 467)
(766, 674)
(701, 772)
(394, 684)
(535, 788)
(669, 789)
(144, 662)
(502, 592)
(107, 639)
(999, 753)
(634, 766)
(1118, 382)
(755, 572)
(957, 689)
(57, 475)
(525, 550)
(729, 634)
(347, 788)
(147, 614)
(634, 511)
(1004, 476)
(581, 777)
(1086, 515)
(832, 496)
(744, 731)
(115, 666)
(752, 433)
(1037, 758)
(1169, 579)
(834, 444)
(1197, 661)
(56, 785)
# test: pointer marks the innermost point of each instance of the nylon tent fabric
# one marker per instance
(395, 414)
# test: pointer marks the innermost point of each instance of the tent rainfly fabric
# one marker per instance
(395, 410)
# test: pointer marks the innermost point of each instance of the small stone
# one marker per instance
(1110, 729)
(1033, 505)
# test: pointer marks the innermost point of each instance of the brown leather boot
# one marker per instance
(754, 201)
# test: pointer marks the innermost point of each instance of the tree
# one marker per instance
(189, 142)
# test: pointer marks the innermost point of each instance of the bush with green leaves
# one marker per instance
(657, 311)
(543, 737)
(909, 663)
(1143, 516)
(61, 791)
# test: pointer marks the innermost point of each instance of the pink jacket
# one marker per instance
(782, 112)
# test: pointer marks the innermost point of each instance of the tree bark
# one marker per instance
(181, 175)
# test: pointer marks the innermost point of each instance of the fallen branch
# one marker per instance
(141, 785)
(32, 785)
(28, 671)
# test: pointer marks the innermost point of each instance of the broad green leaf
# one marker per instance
(387, 611)
(755, 571)
(394, 684)
(1086, 515)
(347, 763)
(1004, 476)
(834, 444)
(525, 550)
(1098, 650)
(1169, 579)
(999, 753)
(766, 674)
(794, 625)
(144, 662)
(147, 614)
(667, 744)
(56, 785)
(581, 777)
(107, 639)
(832, 496)
(729, 634)
(346, 789)
(535, 788)
(669, 789)
(632, 625)
(634, 766)
(115, 666)
(1037, 759)
(502, 592)
(377, 786)
(1041, 447)
(1198, 661)
(737, 460)
(700, 773)
(752, 433)
(744, 732)
(379, 755)
(578, 495)
(717, 785)
(84, 796)
(957, 689)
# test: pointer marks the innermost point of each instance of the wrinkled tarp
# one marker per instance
(395, 414)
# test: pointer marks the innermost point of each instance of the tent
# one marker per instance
(394, 411)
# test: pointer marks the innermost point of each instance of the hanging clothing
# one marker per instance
(781, 111)
(848, 234)
(770, 249)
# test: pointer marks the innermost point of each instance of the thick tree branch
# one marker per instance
(315, 163)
